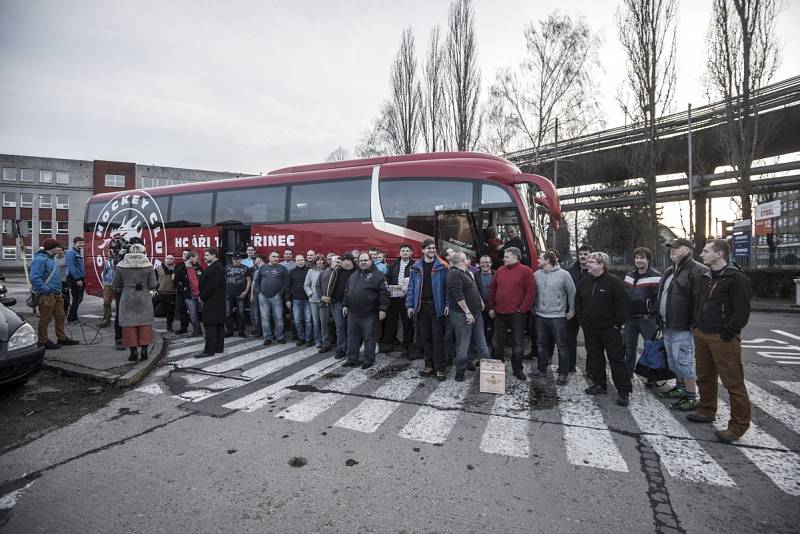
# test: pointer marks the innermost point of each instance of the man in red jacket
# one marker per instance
(510, 297)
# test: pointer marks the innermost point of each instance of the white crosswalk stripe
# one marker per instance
(368, 416)
(506, 430)
(264, 396)
(239, 361)
(317, 403)
(775, 407)
(794, 387)
(587, 440)
(680, 454)
(432, 423)
(781, 465)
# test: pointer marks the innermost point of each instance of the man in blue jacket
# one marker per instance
(46, 282)
(76, 277)
(427, 300)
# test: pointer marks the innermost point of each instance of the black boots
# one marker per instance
(134, 354)
(143, 353)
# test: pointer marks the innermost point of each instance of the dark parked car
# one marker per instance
(20, 357)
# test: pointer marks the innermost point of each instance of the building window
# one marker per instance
(26, 175)
(9, 253)
(46, 227)
(9, 200)
(26, 227)
(9, 174)
(115, 180)
(62, 177)
(45, 201)
(46, 177)
(6, 227)
(146, 182)
(62, 202)
(26, 200)
(62, 227)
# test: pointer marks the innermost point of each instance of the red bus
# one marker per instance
(384, 202)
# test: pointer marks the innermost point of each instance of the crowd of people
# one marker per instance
(442, 309)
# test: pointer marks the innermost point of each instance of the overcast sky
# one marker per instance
(250, 86)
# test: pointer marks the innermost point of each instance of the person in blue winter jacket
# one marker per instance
(46, 283)
(76, 277)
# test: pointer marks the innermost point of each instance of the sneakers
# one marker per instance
(596, 389)
(49, 345)
(623, 399)
(267, 342)
(726, 436)
(440, 376)
(562, 379)
(684, 405)
(674, 393)
(68, 341)
(696, 417)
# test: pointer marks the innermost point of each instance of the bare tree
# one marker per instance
(339, 154)
(372, 143)
(434, 98)
(743, 57)
(554, 81)
(463, 75)
(646, 30)
(500, 135)
(401, 114)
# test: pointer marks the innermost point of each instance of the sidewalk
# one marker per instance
(95, 358)
(774, 306)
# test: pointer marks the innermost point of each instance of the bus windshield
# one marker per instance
(536, 212)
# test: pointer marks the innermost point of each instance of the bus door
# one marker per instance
(499, 219)
(456, 229)
(234, 238)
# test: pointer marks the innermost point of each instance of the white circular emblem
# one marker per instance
(129, 214)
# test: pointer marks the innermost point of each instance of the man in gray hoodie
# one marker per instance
(555, 305)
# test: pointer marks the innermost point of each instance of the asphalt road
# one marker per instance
(284, 440)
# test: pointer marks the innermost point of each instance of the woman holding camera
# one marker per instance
(134, 279)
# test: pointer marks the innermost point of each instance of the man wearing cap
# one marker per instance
(46, 282)
(677, 291)
(237, 288)
(75, 277)
(337, 302)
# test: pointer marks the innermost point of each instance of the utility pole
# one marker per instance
(555, 181)
(691, 179)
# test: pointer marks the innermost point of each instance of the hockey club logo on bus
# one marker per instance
(128, 215)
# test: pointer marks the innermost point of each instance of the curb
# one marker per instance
(787, 309)
(130, 378)
(142, 369)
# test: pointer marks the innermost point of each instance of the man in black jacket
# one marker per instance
(577, 271)
(677, 292)
(345, 271)
(365, 302)
(722, 310)
(602, 305)
(398, 272)
(212, 296)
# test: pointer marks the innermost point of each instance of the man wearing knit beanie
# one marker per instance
(47, 285)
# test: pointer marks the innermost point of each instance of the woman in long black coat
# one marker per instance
(212, 295)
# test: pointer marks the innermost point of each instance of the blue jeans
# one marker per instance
(255, 315)
(191, 311)
(556, 327)
(680, 351)
(341, 327)
(234, 322)
(468, 336)
(361, 328)
(316, 322)
(303, 323)
(272, 306)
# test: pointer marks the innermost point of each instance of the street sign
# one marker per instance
(768, 210)
(742, 236)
